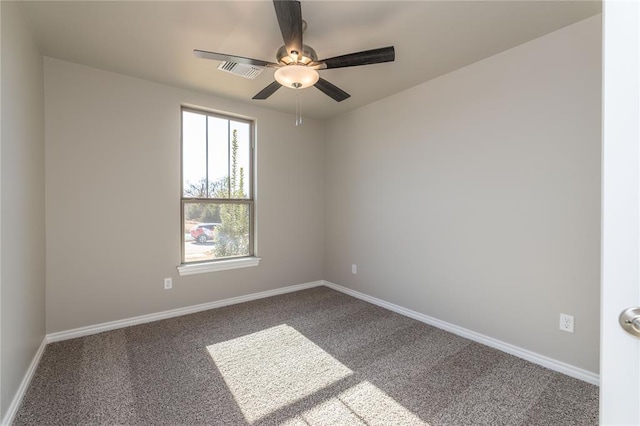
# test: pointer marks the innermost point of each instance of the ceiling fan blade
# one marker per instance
(232, 58)
(289, 15)
(331, 90)
(367, 57)
(268, 91)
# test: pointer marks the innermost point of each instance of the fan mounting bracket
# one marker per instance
(308, 56)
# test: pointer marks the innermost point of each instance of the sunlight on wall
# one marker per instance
(272, 369)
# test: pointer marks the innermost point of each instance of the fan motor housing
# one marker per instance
(308, 55)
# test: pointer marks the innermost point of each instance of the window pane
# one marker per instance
(215, 231)
(242, 137)
(218, 157)
(216, 164)
(194, 155)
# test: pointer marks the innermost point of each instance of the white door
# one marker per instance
(620, 351)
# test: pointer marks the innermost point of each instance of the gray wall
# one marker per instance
(22, 248)
(113, 199)
(475, 197)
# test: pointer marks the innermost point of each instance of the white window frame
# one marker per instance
(213, 265)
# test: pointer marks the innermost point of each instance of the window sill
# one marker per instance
(220, 265)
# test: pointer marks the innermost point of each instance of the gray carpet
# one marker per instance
(314, 357)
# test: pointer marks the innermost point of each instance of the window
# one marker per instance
(217, 187)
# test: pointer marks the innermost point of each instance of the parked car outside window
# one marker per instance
(203, 232)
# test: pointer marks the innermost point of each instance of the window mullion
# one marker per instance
(229, 158)
(206, 136)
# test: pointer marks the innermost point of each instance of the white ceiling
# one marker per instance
(154, 40)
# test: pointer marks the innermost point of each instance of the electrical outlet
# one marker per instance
(168, 284)
(566, 323)
(354, 269)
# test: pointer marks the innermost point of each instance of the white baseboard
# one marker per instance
(17, 399)
(113, 325)
(542, 360)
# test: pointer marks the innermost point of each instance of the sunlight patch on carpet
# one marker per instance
(362, 404)
(274, 368)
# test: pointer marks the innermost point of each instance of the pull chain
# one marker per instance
(298, 108)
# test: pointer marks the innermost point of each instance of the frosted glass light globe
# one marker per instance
(296, 76)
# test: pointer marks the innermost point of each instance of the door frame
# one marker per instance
(619, 351)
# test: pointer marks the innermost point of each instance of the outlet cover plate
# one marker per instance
(566, 323)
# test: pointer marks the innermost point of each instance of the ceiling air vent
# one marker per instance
(243, 70)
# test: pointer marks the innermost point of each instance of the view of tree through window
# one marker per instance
(217, 199)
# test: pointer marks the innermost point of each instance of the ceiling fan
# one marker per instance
(297, 63)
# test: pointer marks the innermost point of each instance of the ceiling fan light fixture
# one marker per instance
(296, 76)
(296, 62)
